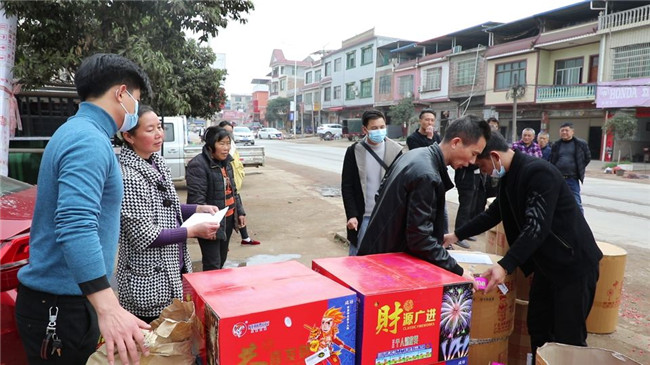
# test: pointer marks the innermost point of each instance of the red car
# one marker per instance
(17, 201)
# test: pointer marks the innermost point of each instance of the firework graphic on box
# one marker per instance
(455, 317)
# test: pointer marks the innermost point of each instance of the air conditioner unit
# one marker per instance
(456, 49)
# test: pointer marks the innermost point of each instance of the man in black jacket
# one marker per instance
(571, 156)
(426, 135)
(409, 213)
(548, 237)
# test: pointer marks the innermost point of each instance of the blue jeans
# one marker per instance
(360, 234)
(574, 185)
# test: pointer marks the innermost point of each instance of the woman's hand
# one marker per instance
(212, 209)
(207, 230)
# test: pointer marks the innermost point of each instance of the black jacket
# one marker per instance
(353, 180)
(583, 155)
(205, 185)
(417, 140)
(409, 215)
(543, 224)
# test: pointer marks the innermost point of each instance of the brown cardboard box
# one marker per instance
(603, 317)
(496, 241)
(560, 354)
(519, 341)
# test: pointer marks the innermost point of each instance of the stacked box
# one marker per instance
(410, 311)
(281, 313)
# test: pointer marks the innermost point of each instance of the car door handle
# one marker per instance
(172, 150)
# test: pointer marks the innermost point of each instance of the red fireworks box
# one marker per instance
(410, 311)
(281, 313)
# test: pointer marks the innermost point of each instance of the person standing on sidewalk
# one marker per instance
(152, 240)
(238, 174)
(409, 213)
(571, 156)
(76, 224)
(364, 165)
(426, 135)
(547, 237)
(527, 143)
(544, 145)
(210, 180)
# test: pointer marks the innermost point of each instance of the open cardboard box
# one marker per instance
(553, 353)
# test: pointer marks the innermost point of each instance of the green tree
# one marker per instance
(624, 127)
(403, 112)
(277, 110)
(54, 36)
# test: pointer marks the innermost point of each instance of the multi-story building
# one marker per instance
(624, 75)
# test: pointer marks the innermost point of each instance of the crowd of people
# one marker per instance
(92, 208)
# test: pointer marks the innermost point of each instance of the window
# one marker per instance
(350, 89)
(337, 65)
(327, 94)
(466, 73)
(406, 86)
(328, 69)
(283, 85)
(384, 84)
(308, 99)
(317, 76)
(509, 73)
(568, 72)
(169, 132)
(308, 78)
(432, 78)
(317, 98)
(350, 61)
(337, 92)
(631, 61)
(366, 88)
(366, 55)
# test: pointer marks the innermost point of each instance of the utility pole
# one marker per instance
(295, 92)
(515, 92)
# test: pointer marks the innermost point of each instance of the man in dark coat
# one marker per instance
(547, 236)
(571, 156)
(426, 135)
(409, 213)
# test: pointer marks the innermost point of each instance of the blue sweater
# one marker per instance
(76, 222)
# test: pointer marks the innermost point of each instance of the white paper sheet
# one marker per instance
(197, 218)
(471, 258)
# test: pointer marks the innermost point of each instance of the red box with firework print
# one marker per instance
(410, 311)
(281, 313)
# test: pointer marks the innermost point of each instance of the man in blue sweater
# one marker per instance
(64, 298)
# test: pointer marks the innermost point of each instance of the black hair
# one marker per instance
(493, 119)
(567, 124)
(214, 134)
(495, 143)
(371, 114)
(224, 123)
(101, 71)
(468, 128)
(427, 110)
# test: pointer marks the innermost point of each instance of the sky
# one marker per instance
(301, 27)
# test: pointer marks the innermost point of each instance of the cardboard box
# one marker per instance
(410, 311)
(553, 353)
(281, 313)
(519, 341)
(497, 243)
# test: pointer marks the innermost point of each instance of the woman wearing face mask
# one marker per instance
(210, 180)
(364, 165)
(152, 249)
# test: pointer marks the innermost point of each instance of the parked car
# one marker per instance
(329, 131)
(17, 201)
(243, 135)
(270, 133)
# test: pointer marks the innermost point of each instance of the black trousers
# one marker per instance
(466, 206)
(214, 253)
(76, 325)
(557, 311)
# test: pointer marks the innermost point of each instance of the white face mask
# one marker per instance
(130, 120)
(497, 174)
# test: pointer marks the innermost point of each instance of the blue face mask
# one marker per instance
(377, 135)
(130, 120)
(497, 174)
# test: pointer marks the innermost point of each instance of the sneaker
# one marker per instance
(251, 242)
(463, 244)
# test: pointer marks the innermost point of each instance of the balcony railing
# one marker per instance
(628, 18)
(559, 93)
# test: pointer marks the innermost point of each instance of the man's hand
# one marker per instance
(212, 209)
(449, 239)
(121, 330)
(496, 275)
(241, 221)
(469, 276)
(353, 223)
(429, 131)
